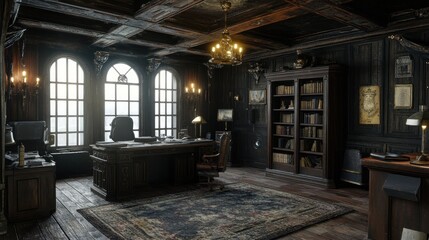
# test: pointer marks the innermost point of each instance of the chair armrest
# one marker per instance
(210, 158)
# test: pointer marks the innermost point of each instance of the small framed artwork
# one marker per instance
(403, 96)
(369, 104)
(403, 67)
(257, 97)
(224, 115)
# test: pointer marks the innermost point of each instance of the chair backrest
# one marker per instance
(122, 129)
(33, 134)
(224, 149)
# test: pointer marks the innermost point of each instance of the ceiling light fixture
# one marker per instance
(225, 51)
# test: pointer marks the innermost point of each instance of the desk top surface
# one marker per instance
(404, 167)
(135, 146)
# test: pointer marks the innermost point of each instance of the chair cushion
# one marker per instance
(206, 167)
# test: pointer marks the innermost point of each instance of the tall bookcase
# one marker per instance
(306, 123)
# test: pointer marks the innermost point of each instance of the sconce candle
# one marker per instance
(37, 81)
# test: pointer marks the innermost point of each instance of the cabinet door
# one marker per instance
(283, 118)
(31, 193)
(311, 126)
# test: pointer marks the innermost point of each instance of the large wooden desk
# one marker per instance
(122, 171)
(398, 198)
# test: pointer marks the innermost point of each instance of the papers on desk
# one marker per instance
(111, 144)
(389, 156)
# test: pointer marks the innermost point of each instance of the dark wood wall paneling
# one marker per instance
(38, 59)
(370, 62)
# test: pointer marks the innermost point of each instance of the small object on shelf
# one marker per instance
(291, 105)
(283, 106)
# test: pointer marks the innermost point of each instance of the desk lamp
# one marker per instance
(198, 120)
(420, 118)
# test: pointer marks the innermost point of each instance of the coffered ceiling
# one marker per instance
(186, 28)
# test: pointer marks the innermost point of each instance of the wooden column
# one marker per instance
(5, 7)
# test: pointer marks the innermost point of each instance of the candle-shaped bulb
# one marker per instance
(193, 90)
(424, 127)
(12, 79)
(192, 85)
(24, 73)
(37, 81)
(213, 49)
(186, 90)
(199, 90)
(25, 79)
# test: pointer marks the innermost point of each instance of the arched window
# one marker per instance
(165, 104)
(121, 96)
(66, 102)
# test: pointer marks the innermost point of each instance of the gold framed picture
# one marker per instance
(403, 98)
(369, 104)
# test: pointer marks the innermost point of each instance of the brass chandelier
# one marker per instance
(225, 51)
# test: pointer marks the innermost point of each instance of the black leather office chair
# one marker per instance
(122, 129)
(32, 134)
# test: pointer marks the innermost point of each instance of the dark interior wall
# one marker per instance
(38, 57)
(369, 62)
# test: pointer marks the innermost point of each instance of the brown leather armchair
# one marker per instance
(210, 165)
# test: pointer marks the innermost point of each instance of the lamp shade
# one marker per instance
(419, 118)
(8, 139)
(199, 120)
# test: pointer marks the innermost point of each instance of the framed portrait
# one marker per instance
(403, 96)
(224, 115)
(257, 97)
(369, 105)
(403, 67)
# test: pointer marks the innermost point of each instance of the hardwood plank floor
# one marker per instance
(75, 193)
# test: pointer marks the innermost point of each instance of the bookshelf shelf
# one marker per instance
(305, 141)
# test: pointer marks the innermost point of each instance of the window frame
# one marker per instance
(103, 82)
(175, 128)
(86, 109)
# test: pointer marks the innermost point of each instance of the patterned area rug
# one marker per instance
(240, 211)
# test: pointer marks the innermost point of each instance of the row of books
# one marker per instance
(284, 130)
(286, 143)
(312, 104)
(285, 90)
(310, 146)
(312, 87)
(287, 117)
(313, 118)
(314, 132)
(283, 158)
(311, 161)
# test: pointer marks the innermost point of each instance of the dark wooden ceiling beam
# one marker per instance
(422, 24)
(256, 22)
(93, 14)
(95, 34)
(332, 11)
(154, 12)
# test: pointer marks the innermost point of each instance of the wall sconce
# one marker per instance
(192, 90)
(192, 93)
(22, 88)
(420, 118)
(256, 70)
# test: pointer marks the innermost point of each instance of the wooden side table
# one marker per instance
(30, 192)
